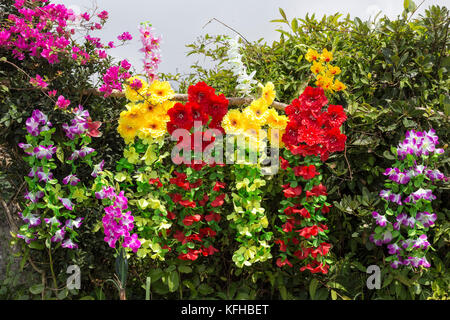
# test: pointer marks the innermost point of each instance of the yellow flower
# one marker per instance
(166, 105)
(131, 93)
(312, 55)
(268, 93)
(133, 116)
(151, 111)
(324, 82)
(338, 86)
(155, 127)
(317, 67)
(274, 136)
(233, 121)
(333, 70)
(127, 131)
(257, 112)
(160, 91)
(274, 120)
(326, 55)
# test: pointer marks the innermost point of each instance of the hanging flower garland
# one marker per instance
(311, 135)
(408, 210)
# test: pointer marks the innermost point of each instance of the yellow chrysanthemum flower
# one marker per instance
(326, 55)
(268, 93)
(317, 67)
(155, 127)
(312, 55)
(168, 105)
(253, 130)
(257, 112)
(130, 90)
(338, 86)
(160, 91)
(233, 122)
(150, 111)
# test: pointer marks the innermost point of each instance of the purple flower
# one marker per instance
(25, 147)
(44, 152)
(69, 244)
(66, 203)
(52, 221)
(84, 151)
(406, 243)
(396, 198)
(97, 169)
(426, 219)
(34, 196)
(385, 194)
(58, 236)
(435, 175)
(393, 248)
(421, 242)
(32, 126)
(34, 171)
(27, 239)
(74, 223)
(44, 177)
(425, 194)
(132, 242)
(72, 179)
(32, 219)
(380, 219)
(125, 36)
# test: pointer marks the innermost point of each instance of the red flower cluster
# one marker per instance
(203, 107)
(312, 131)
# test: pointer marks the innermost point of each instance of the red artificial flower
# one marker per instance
(198, 114)
(281, 263)
(334, 117)
(282, 245)
(179, 235)
(292, 192)
(187, 204)
(171, 215)
(316, 191)
(200, 93)
(326, 209)
(181, 116)
(322, 250)
(212, 217)
(193, 237)
(217, 107)
(218, 201)
(204, 200)
(315, 267)
(303, 253)
(176, 197)
(313, 98)
(92, 127)
(196, 166)
(288, 226)
(284, 163)
(305, 213)
(335, 140)
(156, 181)
(310, 135)
(207, 232)
(290, 136)
(294, 111)
(219, 185)
(307, 172)
(190, 255)
(189, 220)
(209, 251)
(308, 232)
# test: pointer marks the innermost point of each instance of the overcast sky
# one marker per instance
(180, 22)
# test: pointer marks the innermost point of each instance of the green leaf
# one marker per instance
(312, 288)
(37, 245)
(282, 13)
(184, 269)
(173, 281)
(37, 288)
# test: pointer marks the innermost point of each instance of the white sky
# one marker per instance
(180, 22)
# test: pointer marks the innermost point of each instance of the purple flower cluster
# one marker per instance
(79, 124)
(419, 143)
(37, 123)
(405, 236)
(118, 222)
(151, 48)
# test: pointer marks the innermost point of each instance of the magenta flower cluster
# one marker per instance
(118, 222)
(410, 192)
(79, 125)
(112, 79)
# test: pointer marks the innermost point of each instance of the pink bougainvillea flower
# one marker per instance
(62, 102)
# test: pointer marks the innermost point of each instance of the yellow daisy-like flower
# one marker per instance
(268, 93)
(131, 92)
(150, 111)
(257, 112)
(127, 131)
(168, 105)
(274, 120)
(155, 127)
(326, 55)
(133, 116)
(274, 136)
(333, 70)
(317, 67)
(160, 91)
(253, 130)
(312, 55)
(233, 121)
(338, 86)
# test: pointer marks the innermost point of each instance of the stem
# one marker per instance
(55, 285)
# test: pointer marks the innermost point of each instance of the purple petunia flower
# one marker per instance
(34, 196)
(380, 219)
(69, 244)
(59, 235)
(74, 223)
(66, 203)
(97, 169)
(393, 248)
(44, 152)
(52, 221)
(421, 242)
(71, 179)
(426, 219)
(44, 177)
